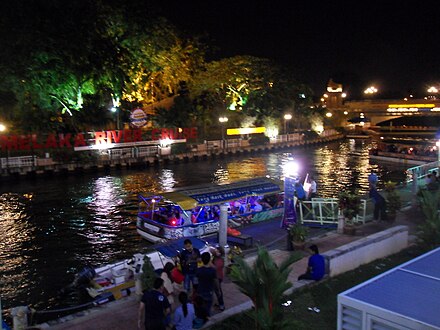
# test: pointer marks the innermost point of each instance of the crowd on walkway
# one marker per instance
(183, 296)
(197, 286)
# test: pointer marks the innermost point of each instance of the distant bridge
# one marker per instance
(381, 110)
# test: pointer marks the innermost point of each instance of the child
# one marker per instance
(184, 315)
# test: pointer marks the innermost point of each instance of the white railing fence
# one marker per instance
(325, 212)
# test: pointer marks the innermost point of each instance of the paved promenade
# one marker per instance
(122, 314)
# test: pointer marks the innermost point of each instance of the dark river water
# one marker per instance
(51, 227)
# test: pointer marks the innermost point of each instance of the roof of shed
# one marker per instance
(411, 289)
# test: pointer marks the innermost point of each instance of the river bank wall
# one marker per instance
(31, 166)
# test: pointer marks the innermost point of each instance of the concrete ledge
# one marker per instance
(367, 249)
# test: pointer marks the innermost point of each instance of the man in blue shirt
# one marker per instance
(316, 266)
(155, 307)
(189, 259)
(207, 278)
(372, 179)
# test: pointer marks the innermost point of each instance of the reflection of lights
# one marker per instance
(328, 114)
(167, 180)
(322, 99)
(325, 95)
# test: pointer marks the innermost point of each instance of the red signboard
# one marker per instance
(71, 140)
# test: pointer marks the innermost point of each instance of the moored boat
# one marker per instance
(109, 282)
(195, 212)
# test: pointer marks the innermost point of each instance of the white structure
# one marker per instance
(406, 297)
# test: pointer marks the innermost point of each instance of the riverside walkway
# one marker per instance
(123, 314)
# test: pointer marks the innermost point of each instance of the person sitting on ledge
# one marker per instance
(316, 266)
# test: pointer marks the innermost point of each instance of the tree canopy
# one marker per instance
(65, 64)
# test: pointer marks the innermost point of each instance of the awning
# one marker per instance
(173, 248)
(233, 191)
(185, 202)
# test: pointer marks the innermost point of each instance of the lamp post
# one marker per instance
(222, 121)
(287, 117)
(290, 170)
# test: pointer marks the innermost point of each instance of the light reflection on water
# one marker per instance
(50, 228)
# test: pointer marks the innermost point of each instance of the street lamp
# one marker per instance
(287, 117)
(222, 121)
(370, 90)
(115, 109)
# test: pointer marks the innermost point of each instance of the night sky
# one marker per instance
(391, 44)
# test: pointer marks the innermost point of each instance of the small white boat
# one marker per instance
(117, 280)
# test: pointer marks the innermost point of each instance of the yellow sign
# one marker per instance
(411, 106)
(247, 130)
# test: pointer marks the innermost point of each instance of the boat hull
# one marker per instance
(155, 232)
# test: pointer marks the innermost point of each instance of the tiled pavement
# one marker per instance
(122, 314)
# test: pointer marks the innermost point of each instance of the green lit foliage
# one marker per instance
(265, 283)
(429, 230)
(159, 61)
(230, 80)
(64, 58)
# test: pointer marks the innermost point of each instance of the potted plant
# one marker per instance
(298, 234)
(394, 202)
(349, 205)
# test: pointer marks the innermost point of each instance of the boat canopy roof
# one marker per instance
(218, 193)
(173, 248)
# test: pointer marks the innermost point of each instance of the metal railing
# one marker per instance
(417, 174)
(23, 161)
(325, 212)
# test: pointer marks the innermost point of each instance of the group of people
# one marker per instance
(195, 287)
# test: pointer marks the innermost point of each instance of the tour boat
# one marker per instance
(195, 212)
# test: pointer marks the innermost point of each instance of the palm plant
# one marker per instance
(429, 230)
(265, 283)
(393, 199)
(350, 204)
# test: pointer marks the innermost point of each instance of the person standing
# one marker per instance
(168, 282)
(219, 264)
(154, 307)
(189, 258)
(207, 279)
(316, 266)
(313, 188)
(379, 205)
(184, 315)
(372, 179)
